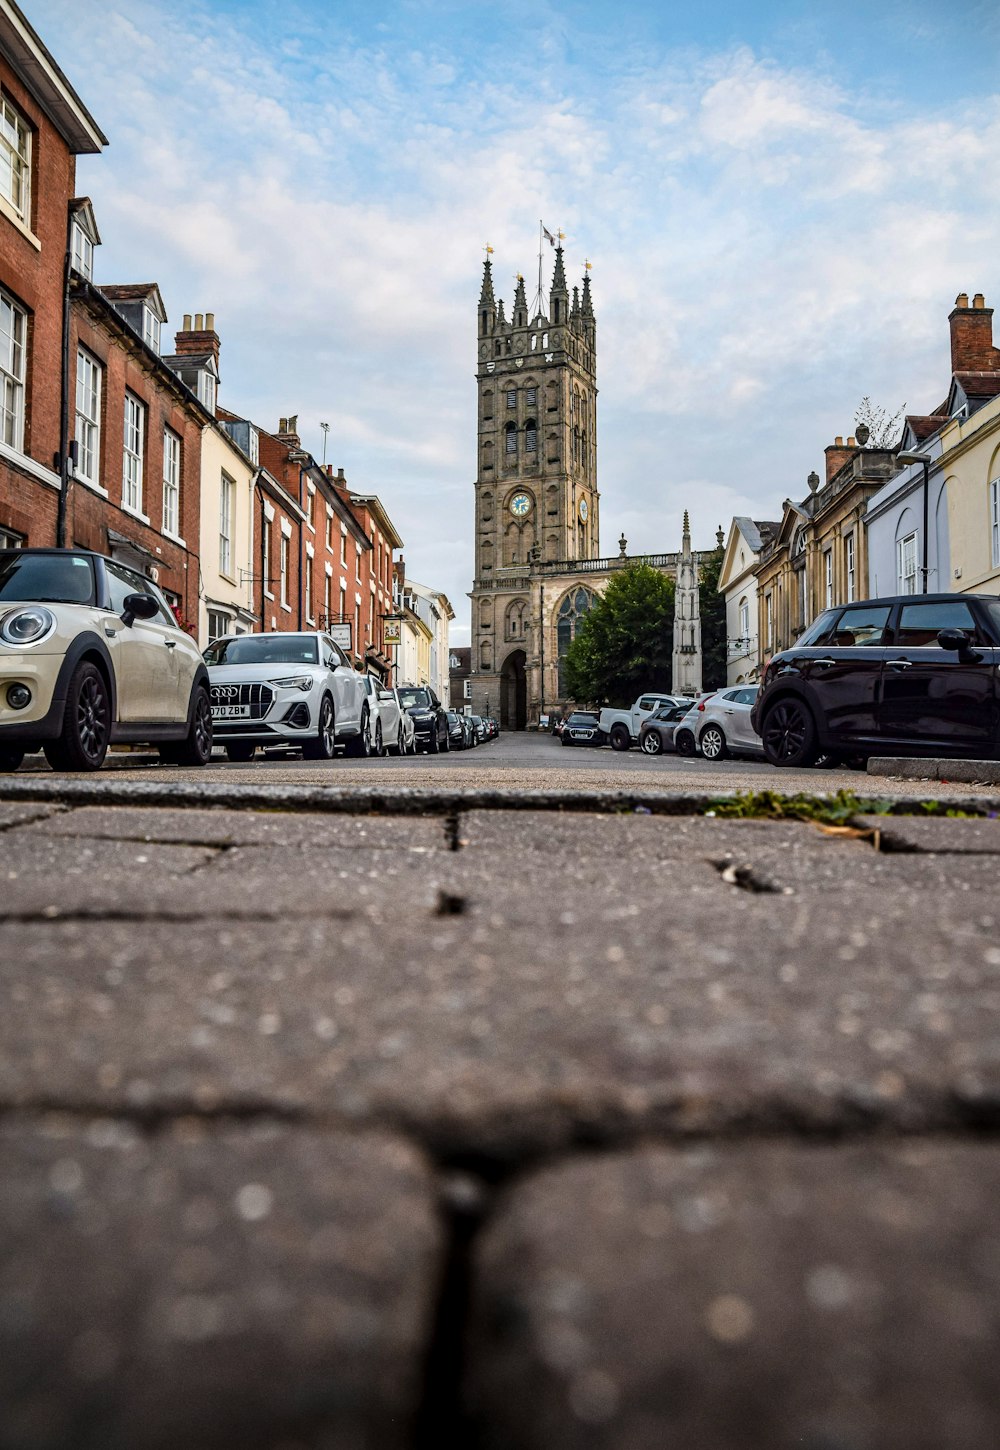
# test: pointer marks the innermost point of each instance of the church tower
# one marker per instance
(537, 503)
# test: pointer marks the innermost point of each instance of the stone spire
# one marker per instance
(558, 296)
(587, 305)
(487, 302)
(687, 659)
(501, 319)
(520, 315)
(575, 311)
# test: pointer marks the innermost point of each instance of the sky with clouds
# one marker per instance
(780, 202)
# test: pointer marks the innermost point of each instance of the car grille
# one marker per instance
(258, 697)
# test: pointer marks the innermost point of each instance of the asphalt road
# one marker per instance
(529, 761)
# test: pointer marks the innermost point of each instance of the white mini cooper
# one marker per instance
(91, 654)
(287, 689)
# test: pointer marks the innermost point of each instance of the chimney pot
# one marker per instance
(209, 321)
(187, 322)
(962, 300)
(340, 472)
(979, 302)
(838, 442)
(282, 425)
(293, 423)
(199, 322)
(852, 443)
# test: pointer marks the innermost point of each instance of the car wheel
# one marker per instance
(378, 748)
(651, 743)
(713, 743)
(360, 745)
(240, 751)
(620, 738)
(196, 749)
(565, 740)
(86, 728)
(321, 747)
(684, 743)
(446, 743)
(10, 759)
(400, 746)
(789, 733)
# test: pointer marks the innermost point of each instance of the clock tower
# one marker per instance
(537, 504)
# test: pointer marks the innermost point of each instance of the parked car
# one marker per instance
(725, 727)
(430, 718)
(458, 731)
(406, 741)
(583, 727)
(686, 730)
(907, 675)
(91, 654)
(387, 712)
(479, 726)
(622, 727)
(287, 689)
(657, 733)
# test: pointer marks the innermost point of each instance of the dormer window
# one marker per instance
(151, 329)
(206, 389)
(83, 253)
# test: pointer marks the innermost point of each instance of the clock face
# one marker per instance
(583, 510)
(520, 504)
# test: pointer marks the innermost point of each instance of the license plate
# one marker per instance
(229, 712)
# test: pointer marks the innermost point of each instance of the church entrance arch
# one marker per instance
(514, 692)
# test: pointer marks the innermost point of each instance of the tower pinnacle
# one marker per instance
(558, 295)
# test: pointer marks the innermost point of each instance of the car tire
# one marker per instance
(684, 744)
(379, 748)
(196, 748)
(10, 759)
(446, 743)
(565, 740)
(86, 728)
(359, 747)
(322, 746)
(620, 737)
(789, 734)
(433, 743)
(651, 743)
(713, 743)
(240, 751)
(400, 746)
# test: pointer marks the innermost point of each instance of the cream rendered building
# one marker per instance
(228, 477)
(970, 460)
(738, 585)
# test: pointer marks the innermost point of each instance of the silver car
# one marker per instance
(287, 689)
(724, 727)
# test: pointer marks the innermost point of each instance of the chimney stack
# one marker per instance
(972, 349)
(199, 339)
(288, 431)
(837, 455)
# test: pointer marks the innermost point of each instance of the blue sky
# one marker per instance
(780, 203)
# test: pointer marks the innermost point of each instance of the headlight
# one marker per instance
(28, 625)
(296, 682)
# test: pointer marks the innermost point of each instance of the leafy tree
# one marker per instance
(713, 621)
(624, 643)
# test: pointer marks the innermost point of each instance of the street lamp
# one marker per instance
(925, 460)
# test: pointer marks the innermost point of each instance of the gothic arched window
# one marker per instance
(516, 621)
(571, 612)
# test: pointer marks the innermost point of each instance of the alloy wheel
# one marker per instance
(92, 720)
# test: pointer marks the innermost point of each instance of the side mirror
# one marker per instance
(139, 606)
(957, 641)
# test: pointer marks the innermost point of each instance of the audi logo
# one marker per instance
(225, 692)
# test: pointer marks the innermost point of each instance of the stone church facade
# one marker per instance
(538, 562)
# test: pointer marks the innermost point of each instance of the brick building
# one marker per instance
(45, 127)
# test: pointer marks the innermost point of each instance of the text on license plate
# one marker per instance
(229, 712)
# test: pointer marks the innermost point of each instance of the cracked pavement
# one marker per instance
(524, 1127)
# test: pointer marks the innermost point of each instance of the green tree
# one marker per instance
(713, 621)
(625, 641)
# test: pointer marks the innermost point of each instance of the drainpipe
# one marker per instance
(64, 460)
(541, 647)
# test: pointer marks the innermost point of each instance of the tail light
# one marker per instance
(703, 703)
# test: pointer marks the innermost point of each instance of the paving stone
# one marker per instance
(556, 833)
(212, 1287)
(978, 772)
(754, 1297)
(58, 877)
(489, 1034)
(937, 836)
(12, 813)
(244, 828)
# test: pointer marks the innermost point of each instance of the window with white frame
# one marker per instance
(745, 621)
(827, 578)
(15, 160)
(171, 483)
(218, 624)
(309, 588)
(265, 556)
(357, 561)
(329, 530)
(88, 417)
(13, 332)
(327, 586)
(227, 496)
(769, 620)
(906, 564)
(995, 521)
(10, 540)
(135, 447)
(283, 569)
(83, 252)
(850, 562)
(151, 328)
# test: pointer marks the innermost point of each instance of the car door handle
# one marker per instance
(825, 664)
(899, 664)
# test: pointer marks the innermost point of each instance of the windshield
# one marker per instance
(264, 649)
(582, 717)
(46, 578)
(413, 697)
